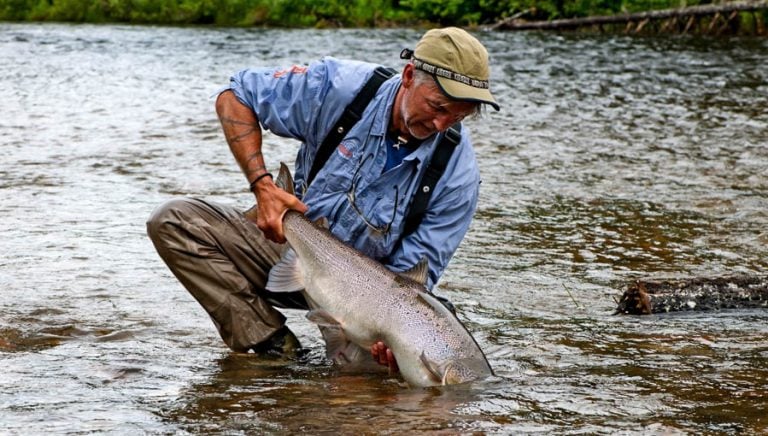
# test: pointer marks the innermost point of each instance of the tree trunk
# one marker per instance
(689, 14)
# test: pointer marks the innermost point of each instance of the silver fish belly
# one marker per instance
(356, 300)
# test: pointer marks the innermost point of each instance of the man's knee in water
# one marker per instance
(164, 215)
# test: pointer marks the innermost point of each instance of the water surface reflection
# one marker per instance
(612, 158)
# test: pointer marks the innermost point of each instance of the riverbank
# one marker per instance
(333, 13)
(730, 18)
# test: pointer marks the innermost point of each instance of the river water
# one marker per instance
(612, 158)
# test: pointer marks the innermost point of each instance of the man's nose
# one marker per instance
(444, 121)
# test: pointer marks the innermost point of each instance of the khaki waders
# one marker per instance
(223, 260)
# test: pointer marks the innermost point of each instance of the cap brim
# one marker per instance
(461, 91)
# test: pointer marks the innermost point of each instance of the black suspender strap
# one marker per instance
(434, 171)
(352, 115)
(349, 117)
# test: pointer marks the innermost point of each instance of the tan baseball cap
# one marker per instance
(458, 61)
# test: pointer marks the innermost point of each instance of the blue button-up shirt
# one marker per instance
(304, 102)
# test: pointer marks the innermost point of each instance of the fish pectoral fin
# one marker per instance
(448, 373)
(457, 373)
(434, 368)
(286, 275)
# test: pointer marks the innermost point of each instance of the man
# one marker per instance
(223, 256)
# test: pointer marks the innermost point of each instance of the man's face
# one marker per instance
(426, 110)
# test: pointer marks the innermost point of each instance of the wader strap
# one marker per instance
(434, 171)
(351, 115)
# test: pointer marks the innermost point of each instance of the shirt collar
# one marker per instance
(381, 120)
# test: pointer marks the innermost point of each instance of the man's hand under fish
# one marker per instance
(383, 355)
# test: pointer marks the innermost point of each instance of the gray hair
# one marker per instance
(424, 78)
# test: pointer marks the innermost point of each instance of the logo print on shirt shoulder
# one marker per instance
(296, 69)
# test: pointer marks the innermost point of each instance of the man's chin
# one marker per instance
(422, 134)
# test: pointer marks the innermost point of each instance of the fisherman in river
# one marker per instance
(383, 158)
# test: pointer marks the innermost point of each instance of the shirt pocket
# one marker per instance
(338, 174)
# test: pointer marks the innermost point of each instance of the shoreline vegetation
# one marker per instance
(494, 14)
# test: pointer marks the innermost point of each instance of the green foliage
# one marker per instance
(445, 11)
(15, 10)
(321, 13)
(331, 13)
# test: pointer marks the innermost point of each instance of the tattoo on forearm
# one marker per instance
(254, 158)
(258, 170)
(230, 124)
(235, 122)
(254, 155)
(237, 131)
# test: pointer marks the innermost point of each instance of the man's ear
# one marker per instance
(408, 73)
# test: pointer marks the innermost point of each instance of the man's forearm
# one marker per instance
(243, 134)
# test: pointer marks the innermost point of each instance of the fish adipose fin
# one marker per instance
(418, 273)
(286, 275)
(448, 373)
(323, 223)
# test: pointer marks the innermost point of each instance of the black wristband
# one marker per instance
(256, 180)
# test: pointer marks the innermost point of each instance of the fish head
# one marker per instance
(454, 372)
(458, 373)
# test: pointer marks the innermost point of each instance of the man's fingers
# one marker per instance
(382, 349)
(383, 356)
(298, 206)
(379, 354)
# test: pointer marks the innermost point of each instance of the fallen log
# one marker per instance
(685, 14)
(647, 296)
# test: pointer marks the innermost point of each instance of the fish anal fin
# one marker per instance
(337, 346)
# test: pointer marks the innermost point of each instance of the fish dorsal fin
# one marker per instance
(284, 179)
(286, 275)
(418, 273)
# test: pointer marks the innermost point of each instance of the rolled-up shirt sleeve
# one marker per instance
(286, 101)
(301, 102)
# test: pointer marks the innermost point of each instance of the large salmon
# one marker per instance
(356, 299)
